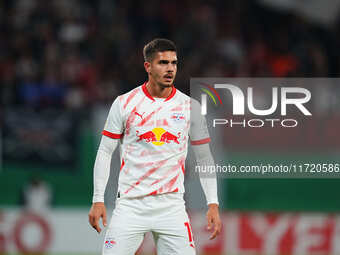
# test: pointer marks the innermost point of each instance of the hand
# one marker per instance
(213, 218)
(97, 211)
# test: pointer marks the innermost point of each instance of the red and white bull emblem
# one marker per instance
(109, 242)
(158, 136)
(178, 117)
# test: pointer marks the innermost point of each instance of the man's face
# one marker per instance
(163, 68)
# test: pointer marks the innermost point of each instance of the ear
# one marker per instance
(147, 67)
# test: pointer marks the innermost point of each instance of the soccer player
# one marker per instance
(152, 123)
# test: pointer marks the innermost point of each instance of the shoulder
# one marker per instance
(122, 102)
(128, 99)
(130, 94)
(180, 96)
(193, 102)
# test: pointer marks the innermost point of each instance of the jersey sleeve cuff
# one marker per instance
(112, 135)
(201, 141)
(212, 202)
(97, 198)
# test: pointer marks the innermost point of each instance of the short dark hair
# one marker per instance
(157, 45)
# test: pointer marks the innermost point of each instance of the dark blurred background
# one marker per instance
(63, 62)
(76, 54)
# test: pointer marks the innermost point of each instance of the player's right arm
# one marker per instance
(101, 173)
(112, 132)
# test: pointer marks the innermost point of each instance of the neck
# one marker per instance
(156, 90)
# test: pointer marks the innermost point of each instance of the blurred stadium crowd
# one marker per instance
(70, 53)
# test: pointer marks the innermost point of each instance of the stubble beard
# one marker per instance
(162, 84)
(165, 85)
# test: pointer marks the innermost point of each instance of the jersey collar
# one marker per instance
(146, 92)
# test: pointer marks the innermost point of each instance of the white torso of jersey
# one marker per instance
(154, 135)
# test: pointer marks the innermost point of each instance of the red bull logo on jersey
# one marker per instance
(109, 242)
(178, 117)
(158, 136)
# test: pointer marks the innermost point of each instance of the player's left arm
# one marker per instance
(199, 139)
(209, 185)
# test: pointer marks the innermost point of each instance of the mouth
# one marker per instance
(168, 77)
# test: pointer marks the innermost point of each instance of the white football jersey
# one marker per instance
(154, 135)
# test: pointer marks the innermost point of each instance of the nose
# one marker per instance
(170, 68)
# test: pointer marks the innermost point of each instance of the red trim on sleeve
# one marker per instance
(112, 135)
(202, 141)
